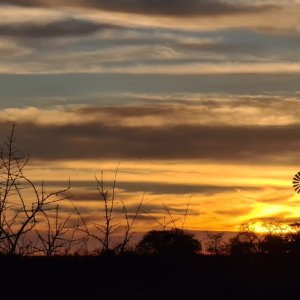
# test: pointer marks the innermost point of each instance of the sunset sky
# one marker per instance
(198, 101)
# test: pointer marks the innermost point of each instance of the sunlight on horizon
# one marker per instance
(217, 202)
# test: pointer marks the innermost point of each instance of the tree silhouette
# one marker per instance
(293, 243)
(215, 244)
(113, 218)
(293, 239)
(60, 237)
(21, 201)
(169, 242)
(244, 243)
(273, 244)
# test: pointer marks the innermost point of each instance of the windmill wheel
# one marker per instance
(296, 182)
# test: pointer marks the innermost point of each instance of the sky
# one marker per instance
(196, 101)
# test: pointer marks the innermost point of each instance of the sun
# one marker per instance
(263, 227)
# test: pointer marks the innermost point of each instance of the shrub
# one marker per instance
(169, 242)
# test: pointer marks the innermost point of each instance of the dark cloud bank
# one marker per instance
(268, 144)
(63, 28)
(154, 188)
(177, 8)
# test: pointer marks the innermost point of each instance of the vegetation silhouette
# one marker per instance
(273, 244)
(22, 203)
(107, 225)
(175, 242)
(244, 243)
(215, 244)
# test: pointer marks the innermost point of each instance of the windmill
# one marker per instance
(296, 182)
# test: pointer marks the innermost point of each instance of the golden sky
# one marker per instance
(198, 101)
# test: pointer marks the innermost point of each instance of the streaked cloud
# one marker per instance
(162, 38)
(129, 138)
(10, 49)
(174, 110)
(67, 27)
(197, 99)
(157, 7)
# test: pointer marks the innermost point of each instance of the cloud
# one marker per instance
(96, 63)
(273, 144)
(234, 212)
(175, 7)
(160, 209)
(198, 15)
(180, 189)
(197, 109)
(282, 218)
(60, 28)
(10, 49)
(201, 68)
(103, 44)
(143, 217)
(172, 110)
(226, 129)
(87, 190)
(156, 7)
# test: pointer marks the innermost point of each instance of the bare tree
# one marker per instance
(21, 202)
(129, 225)
(170, 220)
(115, 219)
(60, 237)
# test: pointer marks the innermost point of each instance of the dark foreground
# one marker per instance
(146, 278)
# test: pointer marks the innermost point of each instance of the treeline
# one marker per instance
(32, 222)
(250, 243)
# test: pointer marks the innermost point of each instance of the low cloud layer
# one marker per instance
(237, 129)
(269, 144)
(62, 28)
(156, 7)
(178, 110)
(148, 188)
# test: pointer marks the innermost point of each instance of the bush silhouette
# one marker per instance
(245, 243)
(169, 242)
(293, 243)
(273, 244)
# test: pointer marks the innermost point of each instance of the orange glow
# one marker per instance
(231, 195)
(265, 228)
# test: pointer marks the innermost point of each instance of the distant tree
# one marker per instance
(293, 243)
(275, 241)
(215, 244)
(175, 242)
(293, 239)
(244, 243)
